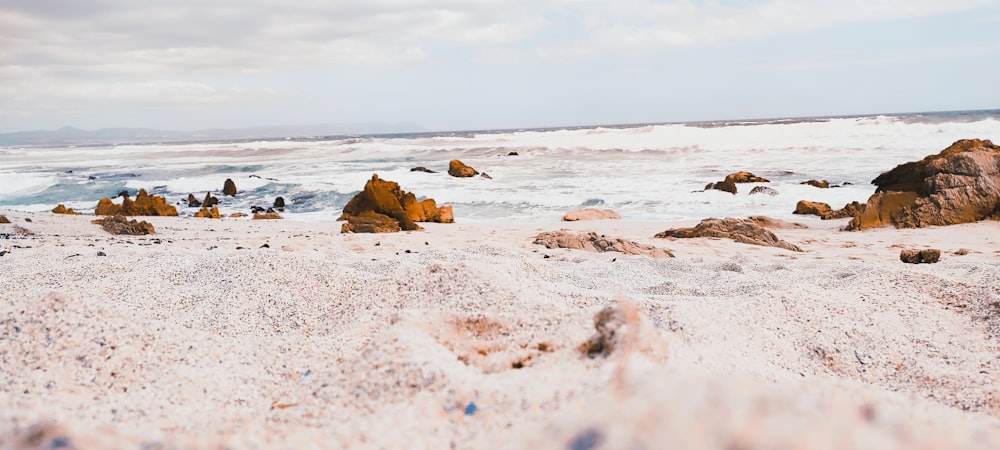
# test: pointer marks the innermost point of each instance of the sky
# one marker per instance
(487, 64)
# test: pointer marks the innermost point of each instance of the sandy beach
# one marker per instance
(279, 334)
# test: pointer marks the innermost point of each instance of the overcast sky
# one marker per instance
(468, 64)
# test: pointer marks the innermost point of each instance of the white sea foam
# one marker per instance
(653, 172)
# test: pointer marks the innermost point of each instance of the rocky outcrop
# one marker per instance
(912, 256)
(143, 205)
(387, 199)
(849, 210)
(118, 224)
(193, 201)
(763, 190)
(209, 213)
(747, 231)
(593, 242)
(370, 222)
(457, 168)
(822, 184)
(958, 185)
(591, 214)
(729, 184)
(229, 187)
(62, 209)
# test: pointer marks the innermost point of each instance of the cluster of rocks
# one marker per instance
(143, 205)
(119, 224)
(211, 211)
(729, 183)
(62, 209)
(382, 207)
(825, 212)
(913, 256)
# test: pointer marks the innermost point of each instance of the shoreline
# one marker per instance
(346, 340)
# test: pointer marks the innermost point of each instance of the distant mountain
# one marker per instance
(107, 136)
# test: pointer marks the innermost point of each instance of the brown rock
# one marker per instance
(4, 219)
(849, 210)
(745, 177)
(457, 168)
(817, 183)
(143, 205)
(269, 215)
(386, 198)
(958, 185)
(370, 222)
(229, 187)
(212, 213)
(745, 231)
(726, 185)
(118, 224)
(913, 256)
(768, 222)
(193, 201)
(593, 242)
(814, 208)
(62, 209)
(238, 214)
(591, 214)
(209, 201)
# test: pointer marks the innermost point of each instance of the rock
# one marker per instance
(257, 209)
(849, 210)
(4, 219)
(727, 186)
(763, 190)
(212, 213)
(820, 184)
(486, 175)
(745, 177)
(229, 187)
(118, 224)
(370, 222)
(386, 198)
(593, 242)
(269, 215)
(746, 231)
(591, 214)
(422, 169)
(279, 204)
(958, 185)
(238, 214)
(143, 205)
(512, 154)
(768, 222)
(607, 322)
(912, 256)
(457, 168)
(193, 201)
(62, 209)
(209, 201)
(814, 208)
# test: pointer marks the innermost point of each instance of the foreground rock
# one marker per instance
(118, 224)
(209, 213)
(457, 168)
(62, 209)
(591, 214)
(913, 256)
(385, 198)
(729, 184)
(229, 187)
(958, 185)
(593, 242)
(746, 231)
(144, 205)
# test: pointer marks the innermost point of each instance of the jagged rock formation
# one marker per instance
(958, 185)
(144, 205)
(385, 198)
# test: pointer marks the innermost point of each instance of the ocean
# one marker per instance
(649, 172)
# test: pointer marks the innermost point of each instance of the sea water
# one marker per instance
(645, 172)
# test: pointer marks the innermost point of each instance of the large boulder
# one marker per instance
(457, 168)
(593, 242)
(591, 214)
(229, 187)
(958, 185)
(747, 231)
(143, 205)
(387, 199)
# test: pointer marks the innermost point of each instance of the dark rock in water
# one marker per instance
(193, 201)
(457, 168)
(512, 154)
(118, 224)
(958, 185)
(486, 175)
(746, 231)
(122, 194)
(257, 209)
(727, 186)
(91, 178)
(229, 187)
(422, 169)
(209, 201)
(763, 190)
(279, 204)
(912, 256)
(822, 184)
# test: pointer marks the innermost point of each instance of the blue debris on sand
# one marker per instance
(471, 409)
(586, 440)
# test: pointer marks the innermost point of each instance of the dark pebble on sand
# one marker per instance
(265, 246)
(102, 254)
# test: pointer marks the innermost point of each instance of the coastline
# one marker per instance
(348, 340)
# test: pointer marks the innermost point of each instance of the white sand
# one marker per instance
(327, 340)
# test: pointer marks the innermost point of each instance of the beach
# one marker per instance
(237, 333)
